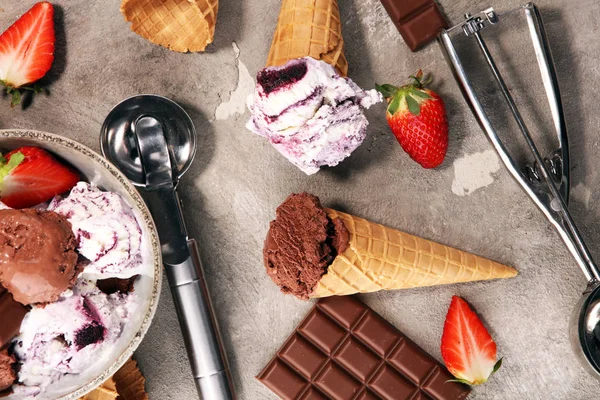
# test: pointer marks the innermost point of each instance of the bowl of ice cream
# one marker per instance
(71, 340)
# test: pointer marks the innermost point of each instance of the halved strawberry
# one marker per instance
(27, 50)
(467, 347)
(30, 176)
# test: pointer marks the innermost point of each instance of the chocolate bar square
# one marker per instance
(343, 350)
(418, 21)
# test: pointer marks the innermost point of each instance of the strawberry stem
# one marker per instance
(413, 106)
(409, 96)
(420, 80)
(417, 82)
(497, 366)
(387, 90)
(14, 161)
(15, 93)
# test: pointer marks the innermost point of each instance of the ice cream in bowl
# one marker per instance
(80, 267)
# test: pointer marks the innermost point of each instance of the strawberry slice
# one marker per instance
(467, 347)
(27, 50)
(30, 176)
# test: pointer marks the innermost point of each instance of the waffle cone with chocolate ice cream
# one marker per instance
(315, 252)
(309, 28)
(126, 384)
(38, 261)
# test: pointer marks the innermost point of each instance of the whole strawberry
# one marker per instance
(417, 117)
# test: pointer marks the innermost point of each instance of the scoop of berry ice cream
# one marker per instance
(309, 113)
(106, 228)
(69, 335)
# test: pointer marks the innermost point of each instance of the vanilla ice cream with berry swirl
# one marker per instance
(309, 113)
(67, 336)
(106, 229)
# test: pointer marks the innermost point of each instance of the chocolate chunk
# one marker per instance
(113, 285)
(11, 315)
(344, 350)
(418, 21)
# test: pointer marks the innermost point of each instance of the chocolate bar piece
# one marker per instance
(419, 21)
(343, 350)
(11, 315)
(114, 285)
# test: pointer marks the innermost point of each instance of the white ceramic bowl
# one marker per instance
(97, 170)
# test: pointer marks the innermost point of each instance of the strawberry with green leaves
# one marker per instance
(30, 176)
(27, 51)
(467, 347)
(417, 117)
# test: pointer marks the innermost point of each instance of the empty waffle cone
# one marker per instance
(127, 383)
(381, 258)
(130, 382)
(180, 25)
(106, 391)
(309, 28)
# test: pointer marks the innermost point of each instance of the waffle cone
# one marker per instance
(309, 28)
(380, 258)
(130, 382)
(180, 25)
(106, 391)
(126, 384)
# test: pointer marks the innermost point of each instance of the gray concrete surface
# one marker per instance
(238, 180)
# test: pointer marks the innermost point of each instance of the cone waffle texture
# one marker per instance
(127, 383)
(380, 258)
(180, 25)
(130, 382)
(309, 28)
(106, 391)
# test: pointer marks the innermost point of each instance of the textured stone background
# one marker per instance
(238, 180)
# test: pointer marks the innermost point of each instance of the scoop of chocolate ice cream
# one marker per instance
(37, 255)
(302, 242)
(7, 371)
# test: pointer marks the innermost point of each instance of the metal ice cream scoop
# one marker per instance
(547, 182)
(152, 141)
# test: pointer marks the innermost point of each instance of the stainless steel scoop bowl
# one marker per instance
(547, 181)
(119, 143)
(585, 328)
(152, 141)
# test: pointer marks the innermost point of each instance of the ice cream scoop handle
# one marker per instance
(199, 327)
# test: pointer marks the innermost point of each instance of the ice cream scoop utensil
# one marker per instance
(151, 140)
(547, 182)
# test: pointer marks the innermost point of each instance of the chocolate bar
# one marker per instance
(343, 350)
(419, 21)
(11, 314)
